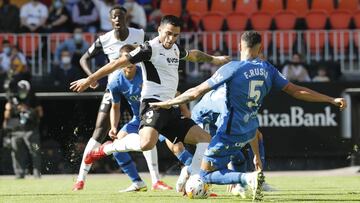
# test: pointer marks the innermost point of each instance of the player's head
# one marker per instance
(118, 17)
(127, 48)
(169, 30)
(251, 43)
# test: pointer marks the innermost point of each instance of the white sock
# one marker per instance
(151, 157)
(198, 155)
(130, 142)
(85, 168)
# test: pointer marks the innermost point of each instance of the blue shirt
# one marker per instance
(131, 89)
(208, 110)
(247, 83)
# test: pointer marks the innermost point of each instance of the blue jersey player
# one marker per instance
(128, 83)
(247, 82)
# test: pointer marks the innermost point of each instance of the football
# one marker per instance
(195, 188)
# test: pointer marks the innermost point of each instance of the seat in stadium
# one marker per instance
(236, 22)
(56, 39)
(212, 23)
(356, 17)
(249, 7)
(339, 39)
(315, 40)
(285, 41)
(172, 7)
(271, 6)
(316, 19)
(327, 5)
(300, 7)
(196, 18)
(29, 43)
(261, 20)
(222, 6)
(285, 20)
(350, 5)
(340, 19)
(197, 6)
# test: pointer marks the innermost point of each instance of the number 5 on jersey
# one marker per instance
(254, 92)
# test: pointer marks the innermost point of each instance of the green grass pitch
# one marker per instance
(103, 188)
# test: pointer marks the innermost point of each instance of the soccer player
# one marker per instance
(160, 62)
(247, 82)
(110, 44)
(128, 82)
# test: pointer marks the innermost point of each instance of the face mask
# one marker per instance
(78, 37)
(7, 50)
(57, 4)
(66, 60)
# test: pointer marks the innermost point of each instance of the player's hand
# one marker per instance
(340, 102)
(94, 85)
(80, 85)
(163, 105)
(113, 133)
(220, 60)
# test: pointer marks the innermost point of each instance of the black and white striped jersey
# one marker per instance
(108, 44)
(159, 68)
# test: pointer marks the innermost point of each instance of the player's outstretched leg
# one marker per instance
(100, 132)
(127, 165)
(151, 158)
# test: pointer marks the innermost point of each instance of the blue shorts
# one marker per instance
(226, 148)
(133, 127)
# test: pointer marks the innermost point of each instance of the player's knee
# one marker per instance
(177, 148)
(146, 145)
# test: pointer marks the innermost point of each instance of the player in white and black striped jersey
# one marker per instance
(160, 62)
(110, 44)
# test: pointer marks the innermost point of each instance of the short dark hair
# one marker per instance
(251, 38)
(127, 48)
(171, 19)
(118, 7)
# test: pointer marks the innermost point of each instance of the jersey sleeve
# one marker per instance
(114, 91)
(140, 54)
(223, 74)
(95, 48)
(279, 81)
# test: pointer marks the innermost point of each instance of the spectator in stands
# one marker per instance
(59, 18)
(295, 71)
(77, 46)
(321, 75)
(5, 56)
(33, 16)
(103, 8)
(18, 65)
(154, 20)
(9, 11)
(136, 16)
(85, 15)
(65, 72)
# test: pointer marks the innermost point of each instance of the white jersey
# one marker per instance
(159, 68)
(111, 46)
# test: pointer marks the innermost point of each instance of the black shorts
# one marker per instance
(105, 105)
(167, 122)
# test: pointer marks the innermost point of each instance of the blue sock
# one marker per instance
(223, 177)
(127, 165)
(185, 157)
(262, 152)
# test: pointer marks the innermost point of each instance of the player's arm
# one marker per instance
(184, 108)
(140, 54)
(189, 95)
(199, 56)
(114, 119)
(306, 94)
(7, 114)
